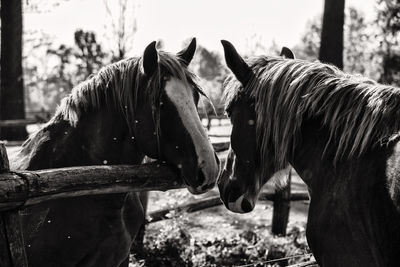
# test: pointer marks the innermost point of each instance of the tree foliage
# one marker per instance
(388, 36)
(121, 28)
(49, 80)
(88, 53)
(209, 66)
(308, 48)
(357, 42)
(371, 48)
(359, 56)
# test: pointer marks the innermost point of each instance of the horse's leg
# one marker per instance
(144, 198)
(138, 243)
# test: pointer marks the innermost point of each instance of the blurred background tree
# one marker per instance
(308, 47)
(122, 27)
(359, 44)
(53, 72)
(356, 42)
(61, 73)
(88, 53)
(210, 68)
(388, 37)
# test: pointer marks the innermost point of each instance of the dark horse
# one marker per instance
(341, 134)
(135, 107)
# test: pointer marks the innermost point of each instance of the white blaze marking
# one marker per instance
(182, 97)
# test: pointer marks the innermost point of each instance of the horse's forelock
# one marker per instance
(232, 89)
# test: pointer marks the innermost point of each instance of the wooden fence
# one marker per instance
(19, 189)
(210, 202)
(24, 188)
(21, 122)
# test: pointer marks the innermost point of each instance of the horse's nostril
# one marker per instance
(207, 186)
(201, 178)
(246, 206)
(201, 163)
(233, 197)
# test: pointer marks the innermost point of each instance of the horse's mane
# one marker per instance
(358, 112)
(119, 86)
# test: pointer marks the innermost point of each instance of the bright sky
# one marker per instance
(176, 20)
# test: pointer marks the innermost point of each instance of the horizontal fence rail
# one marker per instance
(311, 263)
(21, 122)
(32, 187)
(210, 202)
(22, 188)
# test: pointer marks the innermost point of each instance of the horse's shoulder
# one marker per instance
(393, 173)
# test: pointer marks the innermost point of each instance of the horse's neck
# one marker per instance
(350, 196)
(98, 138)
(307, 155)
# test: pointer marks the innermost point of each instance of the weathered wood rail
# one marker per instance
(210, 202)
(311, 263)
(32, 187)
(21, 122)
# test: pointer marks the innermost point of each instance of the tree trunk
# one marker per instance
(331, 50)
(11, 86)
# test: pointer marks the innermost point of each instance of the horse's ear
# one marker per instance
(187, 53)
(287, 53)
(150, 59)
(236, 63)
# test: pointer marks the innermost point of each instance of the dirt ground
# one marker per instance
(218, 222)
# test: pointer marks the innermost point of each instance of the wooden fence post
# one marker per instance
(12, 248)
(281, 210)
(5, 259)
